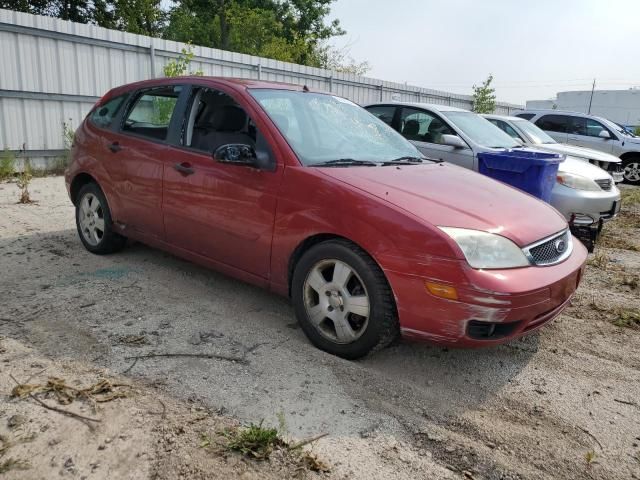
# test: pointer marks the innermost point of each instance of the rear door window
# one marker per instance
(151, 112)
(554, 123)
(103, 115)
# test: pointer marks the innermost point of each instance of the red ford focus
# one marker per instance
(310, 196)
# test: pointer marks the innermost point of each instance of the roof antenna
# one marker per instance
(305, 88)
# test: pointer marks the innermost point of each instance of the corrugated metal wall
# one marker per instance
(52, 71)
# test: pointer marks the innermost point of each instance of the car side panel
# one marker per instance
(307, 206)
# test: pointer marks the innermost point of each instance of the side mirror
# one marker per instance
(453, 141)
(604, 134)
(236, 153)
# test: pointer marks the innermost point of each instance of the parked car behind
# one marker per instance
(593, 132)
(532, 136)
(310, 196)
(585, 194)
(458, 136)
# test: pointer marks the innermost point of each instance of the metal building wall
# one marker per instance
(53, 71)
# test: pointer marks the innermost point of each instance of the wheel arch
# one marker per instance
(629, 155)
(309, 242)
(79, 181)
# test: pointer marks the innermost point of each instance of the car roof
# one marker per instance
(552, 111)
(430, 106)
(547, 111)
(234, 83)
(502, 117)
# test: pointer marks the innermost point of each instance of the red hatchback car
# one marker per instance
(312, 197)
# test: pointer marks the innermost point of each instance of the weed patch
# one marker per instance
(627, 318)
(259, 443)
(254, 441)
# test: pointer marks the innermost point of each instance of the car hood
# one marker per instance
(580, 152)
(447, 195)
(635, 141)
(581, 167)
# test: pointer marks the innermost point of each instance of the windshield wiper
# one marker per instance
(409, 160)
(345, 162)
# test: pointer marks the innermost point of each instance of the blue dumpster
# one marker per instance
(531, 171)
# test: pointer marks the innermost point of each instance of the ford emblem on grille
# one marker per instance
(560, 245)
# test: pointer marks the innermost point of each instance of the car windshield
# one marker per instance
(321, 128)
(481, 130)
(623, 130)
(534, 134)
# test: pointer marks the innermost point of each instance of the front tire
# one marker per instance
(631, 169)
(343, 301)
(93, 221)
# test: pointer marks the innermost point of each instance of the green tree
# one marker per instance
(144, 17)
(289, 30)
(484, 98)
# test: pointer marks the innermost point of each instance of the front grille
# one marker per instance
(605, 183)
(551, 250)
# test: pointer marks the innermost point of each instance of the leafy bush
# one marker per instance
(7, 164)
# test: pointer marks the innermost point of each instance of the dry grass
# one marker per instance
(13, 464)
(631, 281)
(100, 392)
(630, 196)
(627, 318)
(599, 260)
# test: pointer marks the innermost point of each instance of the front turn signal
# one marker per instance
(441, 290)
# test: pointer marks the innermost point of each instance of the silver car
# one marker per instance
(590, 131)
(585, 194)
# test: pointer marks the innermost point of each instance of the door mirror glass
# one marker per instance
(241, 154)
(236, 153)
(604, 134)
(453, 141)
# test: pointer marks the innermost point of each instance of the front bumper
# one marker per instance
(584, 208)
(493, 306)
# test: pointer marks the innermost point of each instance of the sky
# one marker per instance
(533, 48)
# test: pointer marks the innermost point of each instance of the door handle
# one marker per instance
(184, 168)
(115, 147)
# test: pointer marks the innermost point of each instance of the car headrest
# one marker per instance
(228, 118)
(412, 127)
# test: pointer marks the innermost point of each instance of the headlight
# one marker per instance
(577, 182)
(487, 250)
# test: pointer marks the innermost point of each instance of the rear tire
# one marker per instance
(631, 169)
(343, 301)
(94, 223)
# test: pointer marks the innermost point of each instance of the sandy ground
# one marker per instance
(561, 404)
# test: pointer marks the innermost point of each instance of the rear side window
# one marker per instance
(151, 113)
(553, 123)
(103, 115)
(526, 116)
(384, 113)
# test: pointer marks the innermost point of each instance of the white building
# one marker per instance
(621, 106)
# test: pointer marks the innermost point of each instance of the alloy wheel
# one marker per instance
(632, 171)
(336, 301)
(91, 219)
